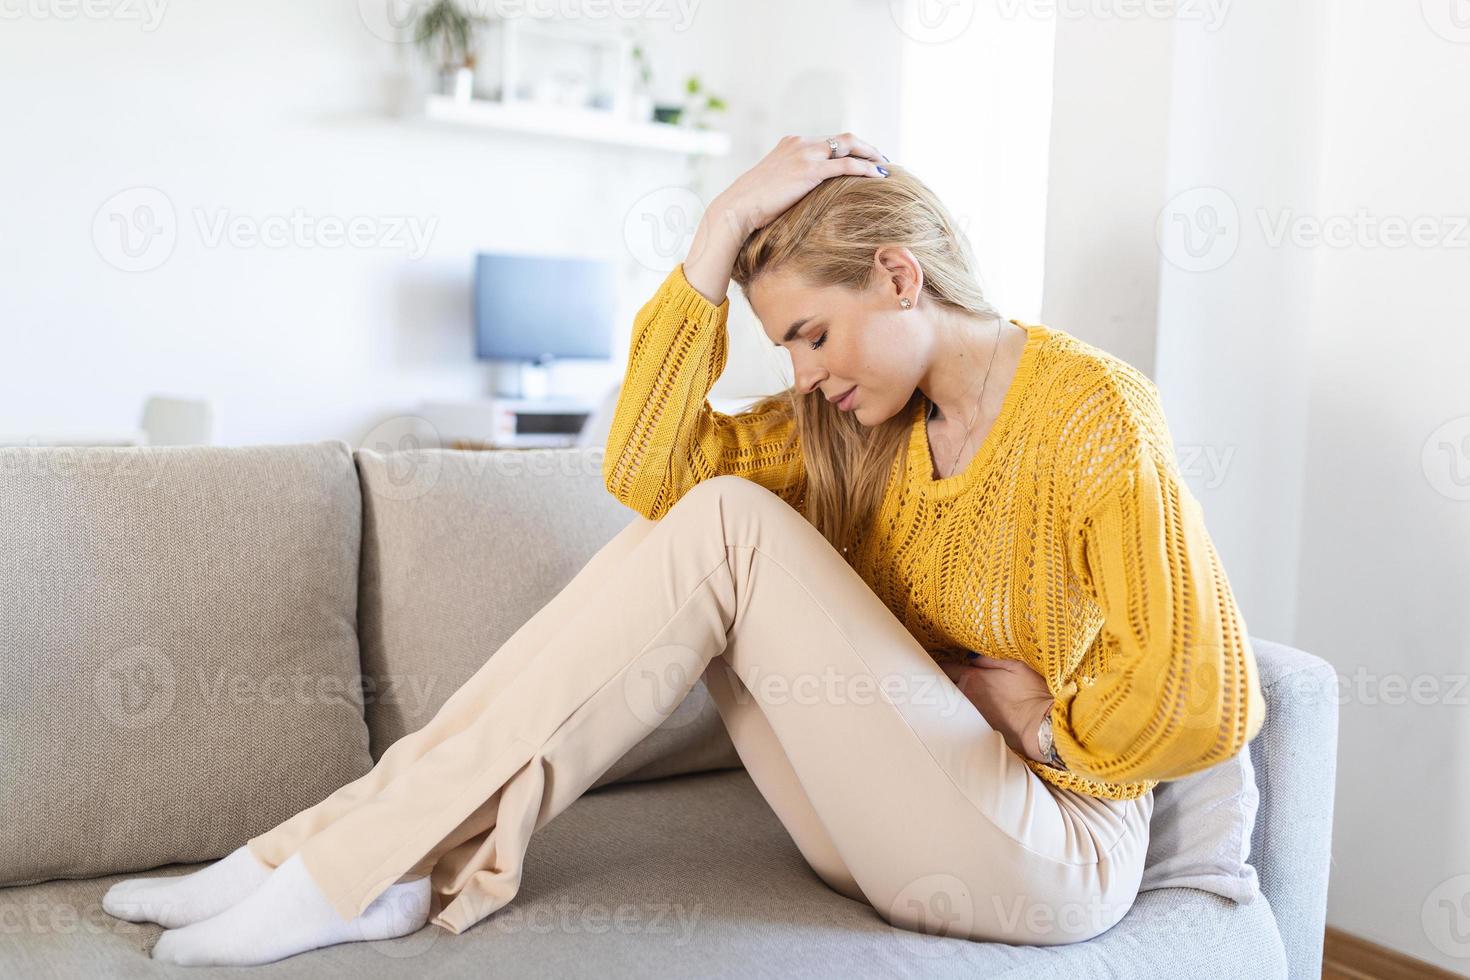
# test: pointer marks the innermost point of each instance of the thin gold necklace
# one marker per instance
(975, 414)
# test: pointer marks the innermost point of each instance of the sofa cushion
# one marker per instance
(179, 668)
(461, 548)
(674, 878)
(1200, 834)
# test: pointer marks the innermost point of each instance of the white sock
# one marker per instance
(288, 914)
(179, 900)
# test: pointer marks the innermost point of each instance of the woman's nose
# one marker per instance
(807, 378)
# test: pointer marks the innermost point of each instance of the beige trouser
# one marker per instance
(891, 783)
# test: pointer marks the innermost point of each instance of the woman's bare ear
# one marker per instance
(900, 269)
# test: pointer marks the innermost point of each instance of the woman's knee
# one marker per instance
(728, 490)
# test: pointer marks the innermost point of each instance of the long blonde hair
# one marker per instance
(828, 238)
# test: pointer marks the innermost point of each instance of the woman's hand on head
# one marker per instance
(791, 170)
(1011, 697)
(783, 176)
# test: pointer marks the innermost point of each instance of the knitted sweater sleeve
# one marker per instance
(665, 437)
(1178, 689)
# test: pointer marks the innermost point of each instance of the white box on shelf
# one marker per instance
(507, 423)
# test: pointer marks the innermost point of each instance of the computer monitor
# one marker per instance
(535, 308)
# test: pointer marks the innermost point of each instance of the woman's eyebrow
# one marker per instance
(791, 330)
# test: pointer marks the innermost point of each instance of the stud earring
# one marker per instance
(904, 302)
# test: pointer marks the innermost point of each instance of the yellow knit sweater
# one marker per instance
(1069, 542)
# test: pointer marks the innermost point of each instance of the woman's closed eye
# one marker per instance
(819, 341)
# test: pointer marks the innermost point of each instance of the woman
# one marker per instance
(952, 601)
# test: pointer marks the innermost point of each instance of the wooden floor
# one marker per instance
(1349, 957)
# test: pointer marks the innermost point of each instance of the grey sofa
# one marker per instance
(671, 865)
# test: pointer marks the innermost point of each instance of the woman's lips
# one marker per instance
(845, 402)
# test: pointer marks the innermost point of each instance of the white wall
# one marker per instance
(1384, 576)
(1109, 155)
(260, 111)
(977, 111)
(1234, 309)
(1317, 392)
(263, 109)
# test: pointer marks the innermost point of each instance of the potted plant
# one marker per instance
(446, 32)
(698, 104)
(642, 100)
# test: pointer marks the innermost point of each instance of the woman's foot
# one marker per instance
(287, 915)
(181, 900)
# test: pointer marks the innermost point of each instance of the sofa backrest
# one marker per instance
(462, 547)
(1295, 759)
(179, 661)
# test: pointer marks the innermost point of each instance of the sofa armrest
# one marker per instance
(1295, 759)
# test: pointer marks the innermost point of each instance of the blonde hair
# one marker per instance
(828, 238)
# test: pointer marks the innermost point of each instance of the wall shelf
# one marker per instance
(572, 123)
